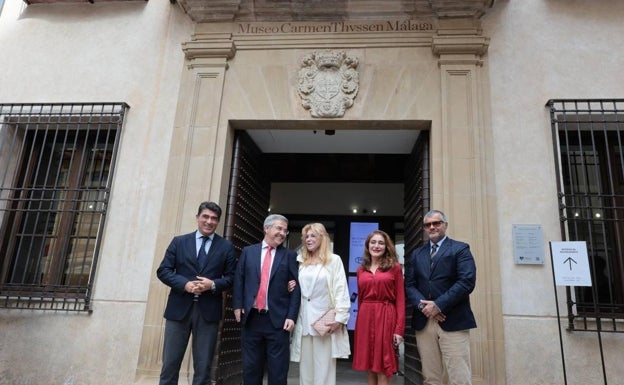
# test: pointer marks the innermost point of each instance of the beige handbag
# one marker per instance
(320, 325)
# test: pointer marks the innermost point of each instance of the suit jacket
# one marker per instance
(448, 282)
(180, 266)
(282, 304)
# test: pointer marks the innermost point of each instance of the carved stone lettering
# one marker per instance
(328, 83)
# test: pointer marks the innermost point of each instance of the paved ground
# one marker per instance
(344, 375)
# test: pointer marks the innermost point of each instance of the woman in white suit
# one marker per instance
(323, 285)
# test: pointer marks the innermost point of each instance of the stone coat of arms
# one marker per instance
(328, 83)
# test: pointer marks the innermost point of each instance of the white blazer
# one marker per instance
(339, 297)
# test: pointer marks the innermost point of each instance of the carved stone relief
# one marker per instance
(226, 11)
(328, 83)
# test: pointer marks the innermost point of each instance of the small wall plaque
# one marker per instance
(528, 244)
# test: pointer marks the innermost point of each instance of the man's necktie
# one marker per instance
(264, 280)
(434, 251)
(202, 257)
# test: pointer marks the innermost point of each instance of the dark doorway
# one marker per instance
(249, 201)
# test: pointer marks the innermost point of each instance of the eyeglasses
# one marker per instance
(433, 224)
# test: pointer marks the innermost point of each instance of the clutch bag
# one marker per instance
(320, 325)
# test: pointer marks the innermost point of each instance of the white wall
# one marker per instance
(541, 50)
(103, 52)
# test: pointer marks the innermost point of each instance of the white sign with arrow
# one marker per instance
(570, 263)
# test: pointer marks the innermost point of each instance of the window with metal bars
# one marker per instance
(56, 168)
(589, 154)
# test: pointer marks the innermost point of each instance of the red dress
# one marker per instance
(381, 314)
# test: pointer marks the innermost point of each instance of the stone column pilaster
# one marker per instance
(463, 186)
(194, 172)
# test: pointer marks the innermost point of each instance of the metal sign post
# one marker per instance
(570, 267)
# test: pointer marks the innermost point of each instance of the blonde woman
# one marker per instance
(323, 285)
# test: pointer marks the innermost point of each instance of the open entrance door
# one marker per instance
(416, 204)
(247, 205)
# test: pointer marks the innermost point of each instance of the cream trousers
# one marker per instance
(439, 350)
(317, 367)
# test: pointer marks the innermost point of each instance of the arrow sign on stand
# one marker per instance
(573, 255)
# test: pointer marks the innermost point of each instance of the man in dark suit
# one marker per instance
(198, 267)
(265, 306)
(439, 277)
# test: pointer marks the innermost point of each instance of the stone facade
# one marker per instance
(480, 73)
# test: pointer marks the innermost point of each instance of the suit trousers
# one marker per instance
(177, 335)
(317, 367)
(439, 349)
(264, 345)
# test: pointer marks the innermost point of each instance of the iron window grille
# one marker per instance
(56, 169)
(588, 138)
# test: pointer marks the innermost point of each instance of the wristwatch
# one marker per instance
(213, 288)
(421, 306)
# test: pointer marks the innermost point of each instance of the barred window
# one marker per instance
(589, 135)
(56, 168)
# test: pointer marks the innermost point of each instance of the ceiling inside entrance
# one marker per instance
(323, 151)
(335, 137)
(336, 142)
(203, 11)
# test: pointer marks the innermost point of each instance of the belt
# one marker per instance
(259, 311)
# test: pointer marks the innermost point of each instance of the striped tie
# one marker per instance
(434, 251)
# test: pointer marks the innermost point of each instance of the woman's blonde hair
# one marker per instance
(388, 260)
(323, 251)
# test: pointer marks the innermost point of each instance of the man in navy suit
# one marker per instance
(439, 277)
(266, 307)
(198, 267)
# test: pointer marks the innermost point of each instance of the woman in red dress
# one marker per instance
(381, 310)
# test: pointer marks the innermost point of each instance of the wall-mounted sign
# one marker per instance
(528, 244)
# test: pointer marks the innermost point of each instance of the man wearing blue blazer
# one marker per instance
(197, 267)
(439, 277)
(264, 305)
